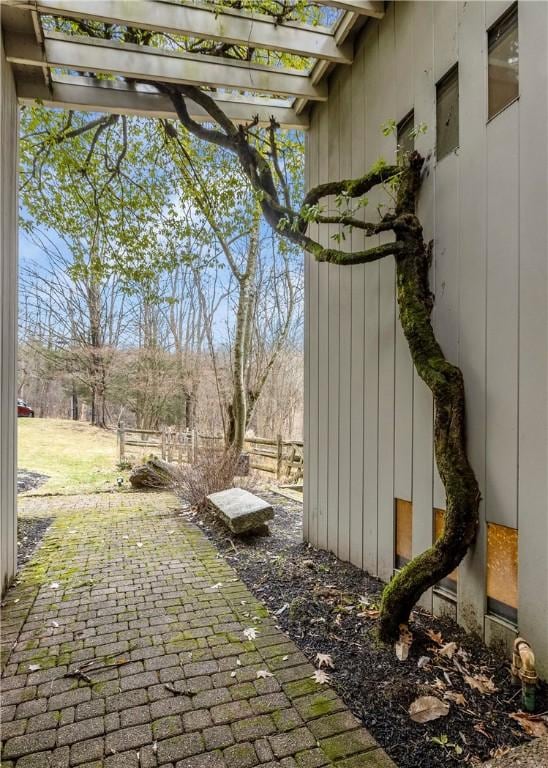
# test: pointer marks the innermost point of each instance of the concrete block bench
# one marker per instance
(241, 511)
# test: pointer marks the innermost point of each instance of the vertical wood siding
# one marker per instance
(8, 321)
(369, 417)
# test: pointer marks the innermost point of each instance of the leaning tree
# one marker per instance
(259, 158)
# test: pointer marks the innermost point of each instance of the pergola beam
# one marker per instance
(374, 8)
(235, 27)
(88, 94)
(84, 54)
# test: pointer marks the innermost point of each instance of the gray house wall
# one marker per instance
(368, 418)
(8, 321)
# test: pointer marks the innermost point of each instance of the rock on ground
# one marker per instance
(240, 510)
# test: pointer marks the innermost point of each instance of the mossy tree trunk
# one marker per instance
(446, 383)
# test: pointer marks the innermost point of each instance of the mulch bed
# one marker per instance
(30, 532)
(27, 480)
(316, 598)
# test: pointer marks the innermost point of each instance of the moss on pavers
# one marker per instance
(92, 593)
(347, 744)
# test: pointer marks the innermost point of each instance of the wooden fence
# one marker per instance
(282, 458)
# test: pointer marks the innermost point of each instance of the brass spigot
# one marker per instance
(524, 672)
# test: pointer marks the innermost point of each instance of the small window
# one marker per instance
(502, 571)
(406, 137)
(503, 60)
(404, 532)
(447, 113)
(450, 581)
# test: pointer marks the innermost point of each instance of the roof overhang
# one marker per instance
(58, 69)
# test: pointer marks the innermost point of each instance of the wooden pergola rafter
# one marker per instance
(59, 69)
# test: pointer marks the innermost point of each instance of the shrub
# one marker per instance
(210, 473)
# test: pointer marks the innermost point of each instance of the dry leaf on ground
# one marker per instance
(435, 636)
(534, 725)
(250, 633)
(403, 645)
(324, 660)
(320, 676)
(264, 673)
(458, 698)
(448, 650)
(427, 708)
(480, 683)
(480, 728)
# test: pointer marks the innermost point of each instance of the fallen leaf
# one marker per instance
(324, 660)
(238, 662)
(534, 725)
(285, 658)
(217, 586)
(480, 683)
(284, 607)
(250, 633)
(264, 673)
(34, 667)
(499, 752)
(370, 613)
(402, 650)
(439, 684)
(480, 728)
(54, 623)
(54, 585)
(320, 676)
(448, 650)
(403, 645)
(423, 661)
(139, 544)
(427, 708)
(233, 674)
(458, 698)
(435, 636)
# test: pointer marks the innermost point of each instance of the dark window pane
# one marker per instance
(406, 139)
(404, 532)
(447, 114)
(450, 581)
(503, 62)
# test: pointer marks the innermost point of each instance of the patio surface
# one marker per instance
(124, 580)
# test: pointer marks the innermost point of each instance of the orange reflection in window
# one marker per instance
(450, 581)
(404, 532)
(502, 564)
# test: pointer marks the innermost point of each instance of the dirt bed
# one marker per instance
(327, 606)
(30, 532)
(27, 480)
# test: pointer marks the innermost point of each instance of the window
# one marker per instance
(404, 532)
(406, 137)
(447, 113)
(502, 571)
(450, 581)
(503, 62)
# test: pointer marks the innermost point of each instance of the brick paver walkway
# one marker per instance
(125, 582)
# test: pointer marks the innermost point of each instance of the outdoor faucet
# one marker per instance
(524, 672)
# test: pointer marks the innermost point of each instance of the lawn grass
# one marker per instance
(76, 457)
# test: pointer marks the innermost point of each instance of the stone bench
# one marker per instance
(241, 511)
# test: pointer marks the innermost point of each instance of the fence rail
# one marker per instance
(282, 458)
